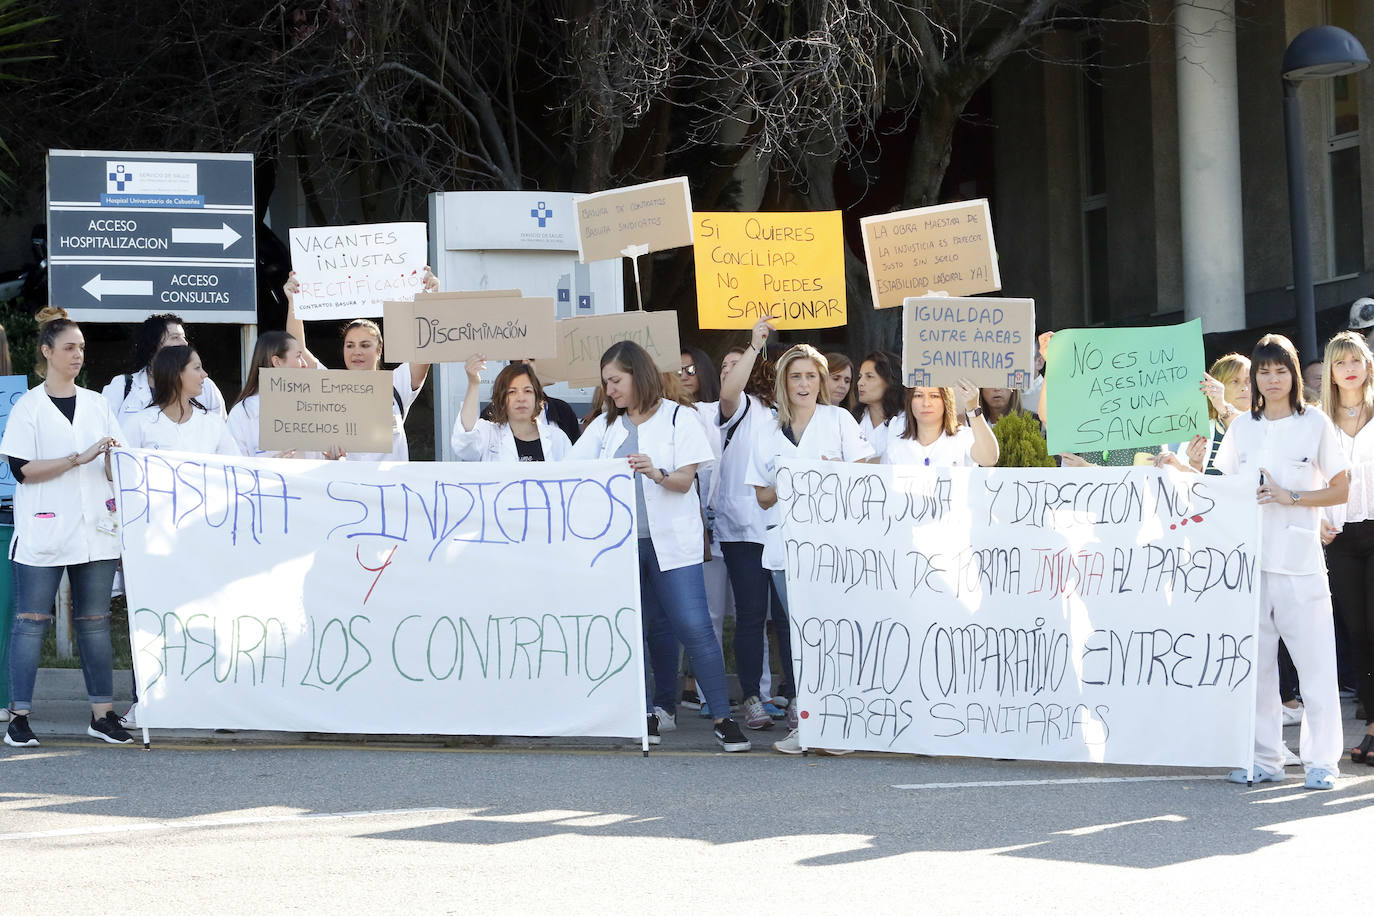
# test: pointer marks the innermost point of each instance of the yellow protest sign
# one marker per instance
(789, 266)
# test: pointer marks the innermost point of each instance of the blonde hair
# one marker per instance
(800, 351)
(1346, 343)
(1226, 369)
(51, 322)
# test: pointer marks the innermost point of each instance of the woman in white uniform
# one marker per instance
(362, 349)
(664, 443)
(57, 440)
(1294, 457)
(517, 430)
(274, 350)
(176, 421)
(130, 393)
(929, 434)
(880, 396)
(807, 426)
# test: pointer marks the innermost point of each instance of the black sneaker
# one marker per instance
(108, 729)
(690, 699)
(654, 737)
(730, 737)
(19, 734)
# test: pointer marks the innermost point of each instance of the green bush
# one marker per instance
(1019, 442)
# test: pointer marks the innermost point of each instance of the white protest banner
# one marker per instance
(426, 598)
(12, 388)
(944, 249)
(581, 341)
(1098, 615)
(349, 271)
(989, 341)
(646, 217)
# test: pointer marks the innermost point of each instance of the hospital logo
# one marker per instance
(143, 177)
(542, 214)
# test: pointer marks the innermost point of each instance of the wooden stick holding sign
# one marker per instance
(989, 341)
(318, 410)
(635, 221)
(450, 327)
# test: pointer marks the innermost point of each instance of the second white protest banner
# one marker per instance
(349, 271)
(493, 599)
(1096, 615)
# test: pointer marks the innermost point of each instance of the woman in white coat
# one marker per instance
(64, 520)
(274, 350)
(517, 430)
(807, 426)
(663, 442)
(176, 420)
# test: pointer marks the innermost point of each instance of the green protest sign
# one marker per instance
(1110, 388)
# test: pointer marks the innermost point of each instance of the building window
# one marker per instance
(1345, 208)
(1093, 159)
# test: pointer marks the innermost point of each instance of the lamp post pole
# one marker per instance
(1297, 217)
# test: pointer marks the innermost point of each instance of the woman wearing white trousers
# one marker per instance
(1294, 457)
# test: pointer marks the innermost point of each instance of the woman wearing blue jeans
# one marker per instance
(663, 443)
(64, 519)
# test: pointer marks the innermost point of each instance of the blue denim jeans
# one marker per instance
(674, 609)
(35, 589)
(756, 591)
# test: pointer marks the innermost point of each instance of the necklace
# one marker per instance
(1350, 411)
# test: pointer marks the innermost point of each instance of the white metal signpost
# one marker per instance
(131, 234)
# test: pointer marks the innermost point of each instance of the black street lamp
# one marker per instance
(1320, 52)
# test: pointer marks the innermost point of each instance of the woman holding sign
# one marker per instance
(58, 442)
(663, 443)
(176, 420)
(1294, 457)
(274, 350)
(929, 433)
(807, 427)
(1348, 530)
(362, 349)
(517, 430)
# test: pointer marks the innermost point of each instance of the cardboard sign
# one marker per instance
(650, 217)
(319, 409)
(1094, 615)
(325, 591)
(946, 249)
(582, 341)
(789, 266)
(449, 329)
(989, 341)
(12, 388)
(349, 271)
(1111, 388)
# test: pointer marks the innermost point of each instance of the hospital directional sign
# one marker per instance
(131, 234)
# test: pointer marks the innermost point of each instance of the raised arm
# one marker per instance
(985, 450)
(732, 386)
(420, 371)
(294, 326)
(468, 415)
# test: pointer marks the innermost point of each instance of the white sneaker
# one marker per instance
(667, 721)
(4, 714)
(1292, 715)
(832, 752)
(1290, 759)
(788, 745)
(130, 718)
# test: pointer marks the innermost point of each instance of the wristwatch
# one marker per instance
(663, 476)
(1295, 496)
(973, 414)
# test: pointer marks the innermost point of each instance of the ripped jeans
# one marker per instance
(35, 589)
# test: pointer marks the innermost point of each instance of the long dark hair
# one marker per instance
(270, 344)
(165, 375)
(762, 381)
(1275, 349)
(708, 379)
(888, 367)
(148, 335)
(634, 359)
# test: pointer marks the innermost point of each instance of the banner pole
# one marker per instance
(634, 252)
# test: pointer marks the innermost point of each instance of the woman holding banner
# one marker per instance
(517, 430)
(1294, 457)
(362, 350)
(1348, 529)
(64, 520)
(807, 427)
(176, 420)
(663, 443)
(130, 393)
(880, 396)
(928, 432)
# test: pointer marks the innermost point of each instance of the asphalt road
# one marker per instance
(193, 826)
